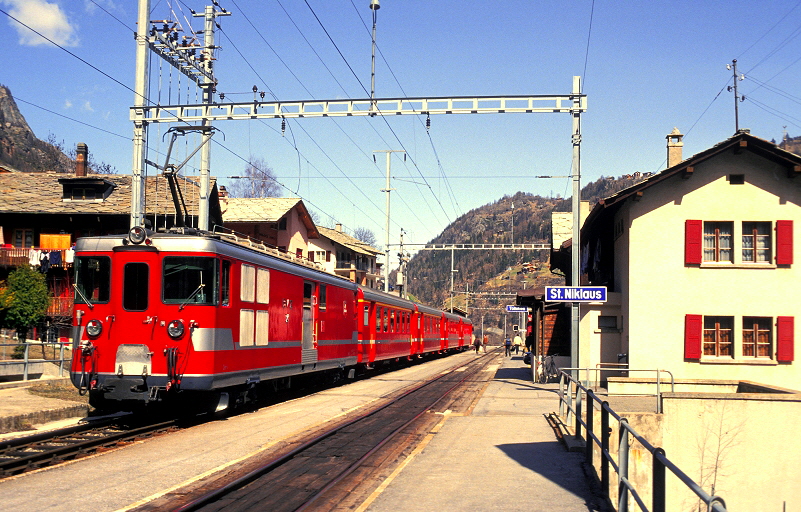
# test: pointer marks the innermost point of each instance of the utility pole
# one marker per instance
(575, 269)
(374, 6)
(388, 190)
(138, 115)
(208, 98)
(737, 99)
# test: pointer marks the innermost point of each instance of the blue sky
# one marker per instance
(647, 67)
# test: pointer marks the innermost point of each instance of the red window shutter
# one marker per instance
(785, 334)
(784, 242)
(693, 242)
(328, 256)
(693, 329)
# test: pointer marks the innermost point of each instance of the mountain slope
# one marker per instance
(20, 149)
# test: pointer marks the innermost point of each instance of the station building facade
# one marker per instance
(701, 265)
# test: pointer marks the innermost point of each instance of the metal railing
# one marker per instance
(598, 369)
(26, 361)
(626, 488)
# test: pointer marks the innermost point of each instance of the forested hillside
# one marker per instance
(494, 270)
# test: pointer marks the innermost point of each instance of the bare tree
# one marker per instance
(366, 235)
(258, 181)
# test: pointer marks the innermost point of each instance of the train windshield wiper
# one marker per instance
(188, 299)
(87, 301)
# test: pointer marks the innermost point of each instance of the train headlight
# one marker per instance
(175, 329)
(137, 235)
(94, 328)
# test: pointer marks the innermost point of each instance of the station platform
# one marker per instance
(21, 411)
(501, 454)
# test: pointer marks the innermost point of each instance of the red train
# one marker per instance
(203, 319)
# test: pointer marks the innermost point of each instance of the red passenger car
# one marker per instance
(201, 318)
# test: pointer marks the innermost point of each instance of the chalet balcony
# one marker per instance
(15, 256)
(60, 306)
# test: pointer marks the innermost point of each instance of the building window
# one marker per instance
(756, 336)
(718, 335)
(23, 238)
(756, 242)
(717, 241)
(82, 194)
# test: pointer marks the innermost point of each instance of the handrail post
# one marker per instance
(658, 393)
(25, 367)
(605, 433)
(61, 364)
(569, 400)
(589, 441)
(561, 395)
(623, 466)
(658, 485)
(578, 412)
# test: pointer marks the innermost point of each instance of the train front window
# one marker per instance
(92, 279)
(190, 280)
(135, 286)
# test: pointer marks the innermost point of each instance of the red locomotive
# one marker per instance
(200, 318)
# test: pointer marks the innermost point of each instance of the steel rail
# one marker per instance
(46, 454)
(253, 475)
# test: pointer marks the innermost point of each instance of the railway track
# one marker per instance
(34, 452)
(340, 463)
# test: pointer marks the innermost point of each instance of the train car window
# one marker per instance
(190, 280)
(377, 319)
(247, 284)
(321, 293)
(263, 286)
(386, 319)
(366, 315)
(392, 321)
(92, 279)
(262, 327)
(246, 328)
(135, 286)
(308, 290)
(226, 282)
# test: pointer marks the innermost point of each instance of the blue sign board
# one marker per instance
(516, 309)
(575, 293)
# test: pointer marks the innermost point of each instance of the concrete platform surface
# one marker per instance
(500, 456)
(21, 411)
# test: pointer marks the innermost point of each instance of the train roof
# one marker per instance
(218, 243)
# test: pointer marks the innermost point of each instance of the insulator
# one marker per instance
(222, 96)
(255, 89)
(261, 94)
(283, 126)
(428, 122)
(165, 28)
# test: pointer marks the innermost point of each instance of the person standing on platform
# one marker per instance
(476, 343)
(508, 345)
(517, 343)
(486, 341)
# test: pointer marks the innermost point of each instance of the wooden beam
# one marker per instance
(688, 172)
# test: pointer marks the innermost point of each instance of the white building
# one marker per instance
(700, 266)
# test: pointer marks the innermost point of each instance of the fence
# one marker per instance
(570, 404)
(26, 364)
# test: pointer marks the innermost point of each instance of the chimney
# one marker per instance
(81, 159)
(222, 191)
(339, 227)
(674, 145)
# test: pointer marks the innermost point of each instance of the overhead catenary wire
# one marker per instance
(247, 17)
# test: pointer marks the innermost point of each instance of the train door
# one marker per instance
(309, 339)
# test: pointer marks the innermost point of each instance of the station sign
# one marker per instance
(516, 309)
(575, 293)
